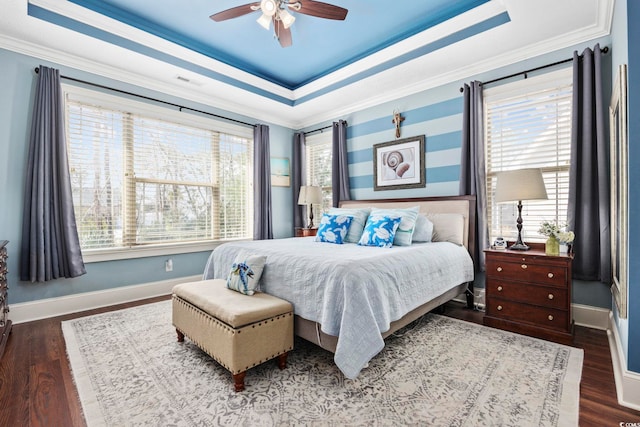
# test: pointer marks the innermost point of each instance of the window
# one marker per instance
(528, 125)
(143, 175)
(318, 164)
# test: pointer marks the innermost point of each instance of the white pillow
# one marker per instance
(245, 273)
(424, 229)
(447, 227)
(408, 216)
(359, 215)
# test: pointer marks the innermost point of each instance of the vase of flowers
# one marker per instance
(556, 235)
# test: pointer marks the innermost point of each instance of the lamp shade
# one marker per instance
(310, 195)
(522, 184)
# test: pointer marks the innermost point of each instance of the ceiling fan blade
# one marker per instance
(283, 34)
(234, 12)
(319, 9)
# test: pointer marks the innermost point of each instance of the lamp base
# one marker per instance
(519, 247)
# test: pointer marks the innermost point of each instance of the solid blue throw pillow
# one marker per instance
(379, 231)
(333, 228)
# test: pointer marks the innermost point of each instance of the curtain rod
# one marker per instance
(603, 50)
(180, 107)
(317, 130)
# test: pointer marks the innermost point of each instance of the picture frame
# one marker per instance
(619, 190)
(399, 164)
(280, 172)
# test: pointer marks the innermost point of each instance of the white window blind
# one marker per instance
(528, 125)
(318, 167)
(146, 175)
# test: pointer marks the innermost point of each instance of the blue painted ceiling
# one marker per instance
(320, 46)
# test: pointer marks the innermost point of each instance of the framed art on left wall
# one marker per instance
(280, 172)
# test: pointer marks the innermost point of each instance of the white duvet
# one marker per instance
(354, 292)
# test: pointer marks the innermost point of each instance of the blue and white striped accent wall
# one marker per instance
(439, 120)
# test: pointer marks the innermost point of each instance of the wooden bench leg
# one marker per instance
(238, 381)
(282, 360)
(180, 336)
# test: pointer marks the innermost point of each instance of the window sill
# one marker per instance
(101, 255)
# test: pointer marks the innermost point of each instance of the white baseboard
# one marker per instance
(590, 317)
(51, 307)
(627, 382)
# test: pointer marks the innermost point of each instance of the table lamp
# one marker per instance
(310, 195)
(519, 185)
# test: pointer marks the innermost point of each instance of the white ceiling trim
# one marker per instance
(102, 22)
(34, 37)
(451, 26)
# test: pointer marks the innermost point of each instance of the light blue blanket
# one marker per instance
(353, 292)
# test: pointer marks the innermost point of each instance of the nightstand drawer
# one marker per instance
(554, 275)
(530, 294)
(539, 316)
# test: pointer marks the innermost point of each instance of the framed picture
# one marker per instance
(399, 164)
(280, 172)
(618, 147)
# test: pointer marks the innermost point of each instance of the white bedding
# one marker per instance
(354, 292)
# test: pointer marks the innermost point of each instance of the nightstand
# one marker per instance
(305, 232)
(529, 292)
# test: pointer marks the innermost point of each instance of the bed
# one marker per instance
(348, 298)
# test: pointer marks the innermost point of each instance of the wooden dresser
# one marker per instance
(5, 323)
(529, 292)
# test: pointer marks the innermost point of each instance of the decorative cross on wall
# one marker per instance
(397, 119)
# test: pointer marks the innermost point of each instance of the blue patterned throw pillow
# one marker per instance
(408, 217)
(245, 273)
(379, 231)
(357, 225)
(333, 228)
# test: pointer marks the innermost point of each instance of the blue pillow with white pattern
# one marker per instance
(379, 231)
(357, 225)
(408, 217)
(333, 228)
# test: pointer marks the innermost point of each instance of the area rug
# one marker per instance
(131, 371)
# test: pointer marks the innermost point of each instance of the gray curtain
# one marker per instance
(262, 215)
(50, 247)
(339, 167)
(298, 178)
(588, 210)
(472, 165)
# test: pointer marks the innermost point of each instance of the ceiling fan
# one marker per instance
(277, 11)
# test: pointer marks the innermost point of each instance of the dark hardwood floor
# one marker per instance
(37, 389)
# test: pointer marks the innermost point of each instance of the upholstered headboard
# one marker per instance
(464, 205)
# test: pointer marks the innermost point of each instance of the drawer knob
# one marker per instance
(550, 296)
(550, 275)
(499, 269)
(524, 266)
(499, 288)
(550, 317)
(499, 308)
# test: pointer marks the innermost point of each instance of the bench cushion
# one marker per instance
(231, 307)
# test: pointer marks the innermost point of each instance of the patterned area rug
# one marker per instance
(438, 371)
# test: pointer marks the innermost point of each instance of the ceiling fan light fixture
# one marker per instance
(264, 21)
(286, 18)
(269, 7)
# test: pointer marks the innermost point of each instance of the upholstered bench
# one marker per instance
(238, 331)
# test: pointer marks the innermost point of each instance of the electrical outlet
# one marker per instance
(478, 298)
(168, 265)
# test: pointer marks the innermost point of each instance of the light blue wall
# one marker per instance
(18, 83)
(437, 114)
